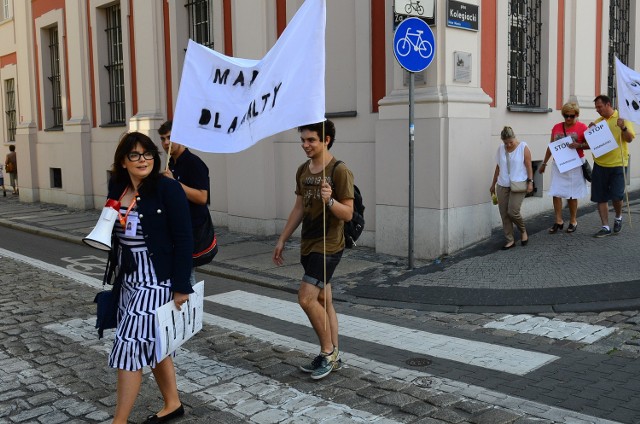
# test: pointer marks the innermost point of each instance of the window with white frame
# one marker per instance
(200, 14)
(524, 64)
(6, 11)
(619, 16)
(54, 78)
(10, 109)
(115, 66)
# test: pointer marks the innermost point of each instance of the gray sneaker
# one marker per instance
(311, 366)
(337, 364)
(327, 365)
(617, 226)
(602, 233)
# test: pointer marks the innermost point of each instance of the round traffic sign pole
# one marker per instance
(411, 171)
(414, 46)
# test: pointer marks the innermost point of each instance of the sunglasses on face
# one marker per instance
(135, 156)
(569, 116)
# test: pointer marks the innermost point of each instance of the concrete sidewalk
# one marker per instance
(553, 273)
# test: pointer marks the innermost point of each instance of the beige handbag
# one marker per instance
(519, 186)
(516, 186)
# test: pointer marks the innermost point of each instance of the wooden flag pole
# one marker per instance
(624, 175)
(166, 167)
(324, 236)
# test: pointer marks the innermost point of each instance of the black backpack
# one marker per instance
(353, 228)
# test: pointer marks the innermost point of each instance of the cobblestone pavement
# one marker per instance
(243, 366)
(53, 368)
(54, 371)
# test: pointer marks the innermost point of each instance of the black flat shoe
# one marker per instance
(509, 247)
(524, 242)
(571, 228)
(555, 228)
(154, 419)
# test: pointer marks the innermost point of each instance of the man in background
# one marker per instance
(192, 174)
(11, 166)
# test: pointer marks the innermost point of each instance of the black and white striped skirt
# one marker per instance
(134, 344)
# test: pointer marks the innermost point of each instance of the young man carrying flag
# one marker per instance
(322, 212)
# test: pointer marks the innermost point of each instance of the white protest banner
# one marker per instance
(628, 90)
(600, 139)
(174, 327)
(565, 157)
(227, 104)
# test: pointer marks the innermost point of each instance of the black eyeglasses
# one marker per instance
(135, 156)
(569, 116)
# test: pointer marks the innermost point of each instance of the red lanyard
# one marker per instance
(123, 219)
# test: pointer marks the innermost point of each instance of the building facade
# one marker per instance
(76, 74)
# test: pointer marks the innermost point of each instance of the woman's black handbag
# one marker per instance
(586, 170)
(205, 244)
(107, 313)
(107, 300)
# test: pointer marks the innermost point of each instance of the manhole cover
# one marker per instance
(418, 362)
(422, 381)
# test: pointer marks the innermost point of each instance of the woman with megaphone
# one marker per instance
(151, 247)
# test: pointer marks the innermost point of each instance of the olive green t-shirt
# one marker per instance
(308, 186)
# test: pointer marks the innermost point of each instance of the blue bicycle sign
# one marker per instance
(414, 44)
(414, 41)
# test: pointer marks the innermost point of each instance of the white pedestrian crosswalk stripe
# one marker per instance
(481, 354)
(552, 328)
(252, 396)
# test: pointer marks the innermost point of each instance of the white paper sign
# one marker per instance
(174, 327)
(600, 139)
(565, 157)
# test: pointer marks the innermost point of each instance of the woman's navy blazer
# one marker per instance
(163, 211)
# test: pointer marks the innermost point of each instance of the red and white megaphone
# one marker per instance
(100, 236)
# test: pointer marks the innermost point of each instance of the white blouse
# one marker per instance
(517, 168)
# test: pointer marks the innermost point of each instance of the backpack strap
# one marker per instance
(300, 169)
(333, 171)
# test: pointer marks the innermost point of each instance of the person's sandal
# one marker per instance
(571, 228)
(555, 228)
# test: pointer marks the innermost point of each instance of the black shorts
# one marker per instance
(607, 183)
(314, 269)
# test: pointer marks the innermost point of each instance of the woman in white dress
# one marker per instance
(570, 185)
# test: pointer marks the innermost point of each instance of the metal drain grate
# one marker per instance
(418, 362)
